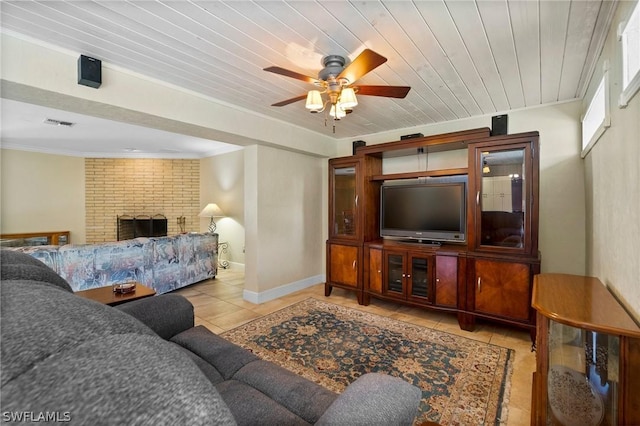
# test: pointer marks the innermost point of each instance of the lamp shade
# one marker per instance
(211, 210)
(348, 98)
(314, 100)
(337, 112)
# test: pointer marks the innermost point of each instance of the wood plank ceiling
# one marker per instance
(461, 58)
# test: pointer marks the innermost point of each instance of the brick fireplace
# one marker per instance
(140, 187)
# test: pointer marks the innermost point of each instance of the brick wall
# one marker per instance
(117, 186)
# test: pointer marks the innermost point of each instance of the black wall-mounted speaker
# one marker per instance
(89, 71)
(358, 144)
(499, 125)
(411, 136)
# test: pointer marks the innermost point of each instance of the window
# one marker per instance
(630, 39)
(596, 119)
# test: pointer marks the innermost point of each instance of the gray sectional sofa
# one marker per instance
(69, 358)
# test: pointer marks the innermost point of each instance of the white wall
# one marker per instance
(562, 194)
(222, 182)
(41, 193)
(284, 220)
(613, 185)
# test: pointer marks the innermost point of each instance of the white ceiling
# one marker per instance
(461, 58)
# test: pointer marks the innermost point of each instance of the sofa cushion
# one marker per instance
(207, 369)
(153, 312)
(393, 401)
(122, 261)
(12, 267)
(225, 356)
(251, 407)
(118, 379)
(198, 256)
(167, 267)
(38, 320)
(303, 397)
(76, 265)
(11, 257)
(45, 254)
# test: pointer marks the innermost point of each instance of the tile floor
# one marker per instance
(219, 306)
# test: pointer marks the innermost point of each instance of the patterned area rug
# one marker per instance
(463, 382)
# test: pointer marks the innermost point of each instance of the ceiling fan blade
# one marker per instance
(387, 91)
(290, 101)
(365, 62)
(292, 74)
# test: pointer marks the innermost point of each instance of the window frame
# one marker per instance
(605, 121)
(633, 84)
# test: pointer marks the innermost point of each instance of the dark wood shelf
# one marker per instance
(415, 175)
(430, 144)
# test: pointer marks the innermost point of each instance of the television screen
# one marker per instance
(431, 211)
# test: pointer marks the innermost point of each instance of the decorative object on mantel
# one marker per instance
(463, 381)
(182, 222)
(212, 210)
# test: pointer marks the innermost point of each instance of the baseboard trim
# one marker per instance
(234, 266)
(283, 290)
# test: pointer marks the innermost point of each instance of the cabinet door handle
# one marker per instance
(356, 200)
(478, 198)
(408, 275)
(354, 264)
(479, 283)
(379, 271)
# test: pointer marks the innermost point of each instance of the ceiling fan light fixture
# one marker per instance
(348, 98)
(337, 112)
(314, 101)
(333, 82)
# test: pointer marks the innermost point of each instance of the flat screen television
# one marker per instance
(431, 211)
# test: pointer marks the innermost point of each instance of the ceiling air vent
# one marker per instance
(59, 122)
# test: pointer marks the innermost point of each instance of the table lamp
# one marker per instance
(211, 210)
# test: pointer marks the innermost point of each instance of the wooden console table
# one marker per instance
(107, 296)
(587, 355)
(52, 238)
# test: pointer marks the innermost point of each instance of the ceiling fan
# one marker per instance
(337, 82)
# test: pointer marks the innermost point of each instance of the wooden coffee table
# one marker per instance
(107, 296)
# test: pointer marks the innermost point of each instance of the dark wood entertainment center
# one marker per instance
(488, 276)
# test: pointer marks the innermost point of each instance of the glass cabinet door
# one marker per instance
(344, 199)
(582, 381)
(420, 277)
(503, 215)
(501, 203)
(394, 273)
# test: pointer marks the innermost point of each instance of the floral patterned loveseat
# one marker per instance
(162, 263)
